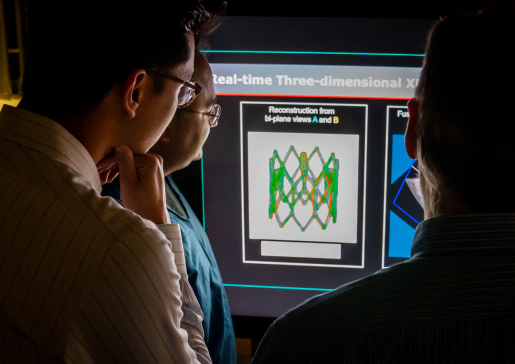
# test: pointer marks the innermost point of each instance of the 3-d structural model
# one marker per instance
(303, 187)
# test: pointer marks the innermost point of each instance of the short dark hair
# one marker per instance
(218, 9)
(466, 117)
(78, 51)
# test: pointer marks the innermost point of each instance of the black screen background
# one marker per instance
(221, 161)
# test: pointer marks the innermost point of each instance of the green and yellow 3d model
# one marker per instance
(304, 187)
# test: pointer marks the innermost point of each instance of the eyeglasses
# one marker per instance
(214, 115)
(188, 92)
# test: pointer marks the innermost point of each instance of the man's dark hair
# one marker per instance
(466, 92)
(218, 10)
(77, 51)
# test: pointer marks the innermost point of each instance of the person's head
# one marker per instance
(80, 55)
(182, 141)
(77, 53)
(460, 126)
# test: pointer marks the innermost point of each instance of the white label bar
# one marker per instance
(300, 250)
(315, 80)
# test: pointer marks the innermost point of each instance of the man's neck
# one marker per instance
(169, 168)
(88, 128)
(439, 203)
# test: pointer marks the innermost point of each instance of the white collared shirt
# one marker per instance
(83, 280)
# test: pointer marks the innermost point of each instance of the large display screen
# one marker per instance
(307, 185)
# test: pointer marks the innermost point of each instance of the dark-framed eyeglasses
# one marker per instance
(188, 92)
(214, 114)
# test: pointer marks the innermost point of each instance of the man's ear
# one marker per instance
(410, 139)
(133, 91)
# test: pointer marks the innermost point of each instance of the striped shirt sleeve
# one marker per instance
(141, 308)
(83, 280)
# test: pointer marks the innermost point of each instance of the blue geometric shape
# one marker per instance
(400, 160)
(401, 237)
(398, 193)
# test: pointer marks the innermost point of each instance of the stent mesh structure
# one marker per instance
(303, 187)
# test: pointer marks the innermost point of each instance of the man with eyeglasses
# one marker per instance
(83, 279)
(180, 144)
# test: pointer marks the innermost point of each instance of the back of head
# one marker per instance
(77, 51)
(466, 93)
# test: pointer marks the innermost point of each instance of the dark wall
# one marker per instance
(425, 9)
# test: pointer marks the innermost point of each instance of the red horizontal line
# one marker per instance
(319, 96)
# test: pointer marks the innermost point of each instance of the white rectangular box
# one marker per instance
(300, 250)
(261, 149)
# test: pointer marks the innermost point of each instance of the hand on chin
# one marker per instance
(107, 168)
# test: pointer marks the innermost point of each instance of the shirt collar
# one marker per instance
(465, 234)
(47, 136)
(174, 198)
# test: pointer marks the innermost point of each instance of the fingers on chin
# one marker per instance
(108, 175)
(104, 175)
(148, 161)
(112, 175)
(107, 161)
